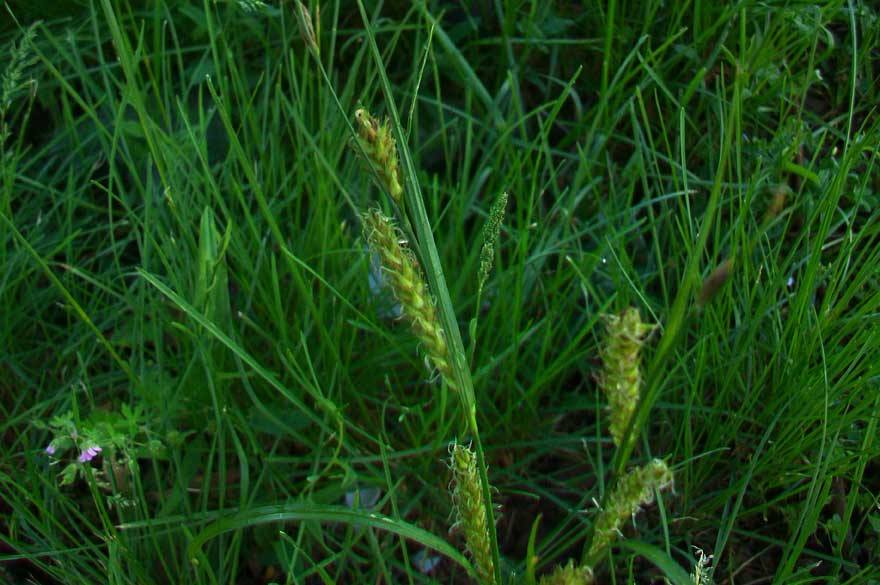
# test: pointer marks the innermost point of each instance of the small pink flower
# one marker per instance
(89, 454)
(50, 450)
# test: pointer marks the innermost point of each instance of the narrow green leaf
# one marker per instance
(661, 560)
(233, 346)
(300, 512)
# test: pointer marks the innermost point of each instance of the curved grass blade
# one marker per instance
(299, 512)
(671, 570)
(437, 282)
(235, 348)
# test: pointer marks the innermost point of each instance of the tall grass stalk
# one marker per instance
(431, 261)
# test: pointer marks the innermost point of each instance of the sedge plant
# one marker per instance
(191, 388)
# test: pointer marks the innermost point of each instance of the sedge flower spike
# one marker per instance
(702, 574)
(491, 231)
(467, 497)
(568, 574)
(633, 490)
(378, 143)
(621, 376)
(400, 267)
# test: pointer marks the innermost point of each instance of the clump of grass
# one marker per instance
(773, 380)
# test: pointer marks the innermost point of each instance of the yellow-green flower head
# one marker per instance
(378, 143)
(633, 490)
(621, 375)
(400, 267)
(568, 574)
(467, 496)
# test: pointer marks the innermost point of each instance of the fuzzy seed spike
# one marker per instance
(409, 287)
(633, 490)
(568, 574)
(491, 231)
(378, 143)
(621, 376)
(467, 496)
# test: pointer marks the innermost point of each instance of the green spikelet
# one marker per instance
(470, 511)
(621, 378)
(405, 278)
(702, 574)
(490, 235)
(568, 574)
(635, 489)
(13, 79)
(378, 143)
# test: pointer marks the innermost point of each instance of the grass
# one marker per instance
(185, 283)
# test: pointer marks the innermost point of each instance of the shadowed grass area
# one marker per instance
(203, 379)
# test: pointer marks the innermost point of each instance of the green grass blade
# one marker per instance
(300, 512)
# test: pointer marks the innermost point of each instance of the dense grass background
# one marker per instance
(184, 282)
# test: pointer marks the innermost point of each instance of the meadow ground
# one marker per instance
(220, 363)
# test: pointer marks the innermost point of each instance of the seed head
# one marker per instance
(467, 497)
(490, 235)
(633, 490)
(403, 275)
(568, 575)
(621, 376)
(377, 141)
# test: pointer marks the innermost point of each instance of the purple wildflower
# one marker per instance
(89, 454)
(50, 450)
